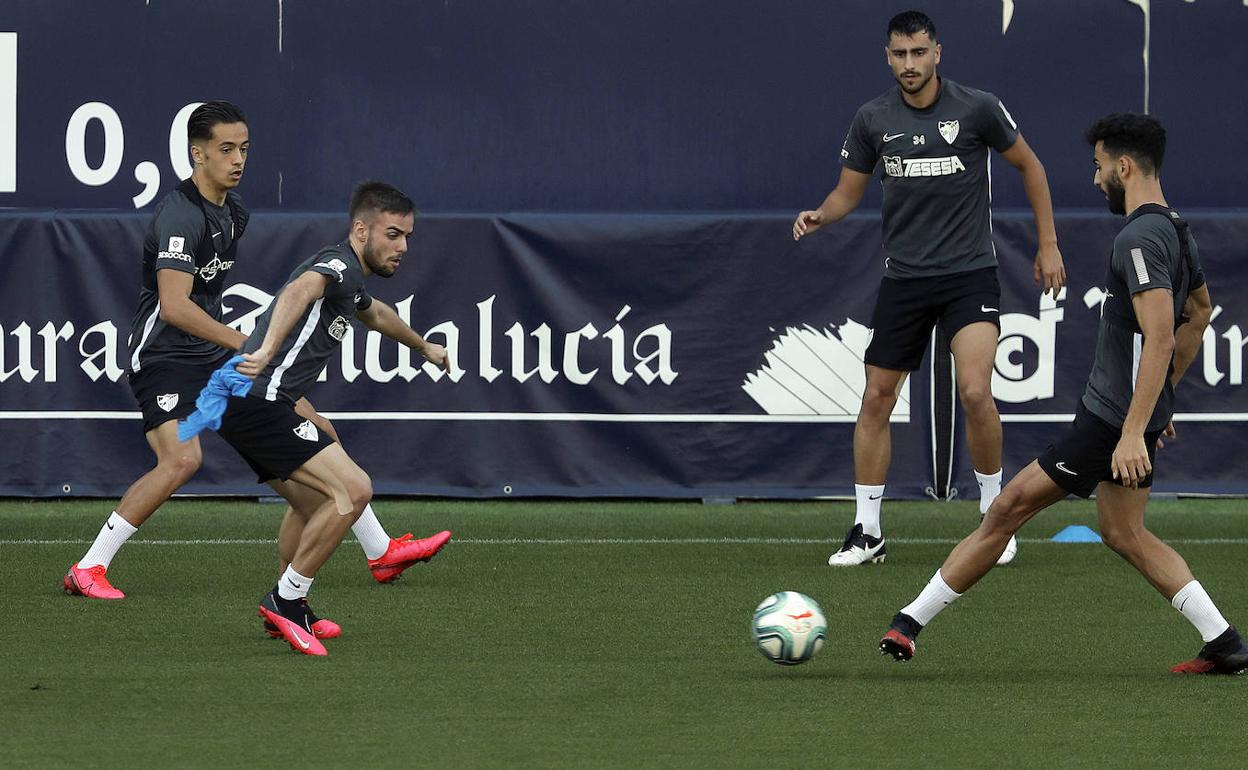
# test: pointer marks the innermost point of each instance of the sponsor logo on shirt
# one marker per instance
(176, 250)
(217, 265)
(895, 165)
(337, 265)
(338, 328)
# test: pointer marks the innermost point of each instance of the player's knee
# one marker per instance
(1008, 513)
(1120, 539)
(976, 397)
(360, 488)
(184, 463)
(878, 397)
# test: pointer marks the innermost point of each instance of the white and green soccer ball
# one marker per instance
(789, 628)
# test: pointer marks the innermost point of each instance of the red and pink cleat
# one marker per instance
(90, 582)
(403, 552)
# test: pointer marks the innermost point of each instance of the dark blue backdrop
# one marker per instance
(646, 105)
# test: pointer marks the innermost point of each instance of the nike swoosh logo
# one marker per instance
(986, 309)
(293, 583)
(303, 644)
(1062, 467)
(891, 137)
(109, 524)
(874, 497)
(216, 235)
(806, 614)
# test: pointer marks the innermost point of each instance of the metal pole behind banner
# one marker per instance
(943, 392)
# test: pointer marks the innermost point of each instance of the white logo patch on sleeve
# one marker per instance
(1141, 270)
(176, 244)
(337, 265)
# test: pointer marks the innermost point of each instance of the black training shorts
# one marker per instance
(168, 391)
(1081, 458)
(907, 310)
(270, 436)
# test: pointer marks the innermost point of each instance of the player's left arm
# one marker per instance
(1154, 311)
(380, 317)
(1197, 312)
(1050, 272)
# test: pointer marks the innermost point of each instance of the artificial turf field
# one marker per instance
(608, 634)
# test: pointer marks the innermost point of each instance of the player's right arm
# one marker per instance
(288, 308)
(177, 309)
(840, 202)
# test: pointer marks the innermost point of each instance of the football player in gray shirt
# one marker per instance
(178, 337)
(1155, 313)
(930, 137)
(303, 326)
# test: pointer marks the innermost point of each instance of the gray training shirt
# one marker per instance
(190, 235)
(302, 355)
(1146, 256)
(934, 170)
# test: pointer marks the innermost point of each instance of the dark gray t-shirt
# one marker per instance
(1146, 256)
(302, 355)
(179, 238)
(934, 170)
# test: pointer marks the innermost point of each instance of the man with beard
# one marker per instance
(284, 354)
(931, 137)
(178, 338)
(1156, 309)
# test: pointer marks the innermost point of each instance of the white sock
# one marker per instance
(372, 536)
(934, 597)
(1195, 605)
(115, 532)
(989, 488)
(292, 585)
(867, 512)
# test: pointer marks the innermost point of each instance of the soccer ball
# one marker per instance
(789, 628)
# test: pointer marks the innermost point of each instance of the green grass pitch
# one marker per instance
(608, 634)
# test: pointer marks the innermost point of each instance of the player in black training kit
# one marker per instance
(1156, 309)
(177, 339)
(284, 354)
(930, 137)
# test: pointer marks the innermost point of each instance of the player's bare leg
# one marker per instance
(176, 463)
(1028, 493)
(346, 489)
(872, 454)
(974, 349)
(303, 503)
(1120, 513)
(388, 557)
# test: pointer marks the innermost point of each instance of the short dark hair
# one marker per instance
(377, 197)
(908, 23)
(1129, 133)
(209, 114)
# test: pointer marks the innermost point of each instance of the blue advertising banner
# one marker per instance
(647, 355)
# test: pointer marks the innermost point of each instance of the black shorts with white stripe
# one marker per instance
(1082, 458)
(270, 436)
